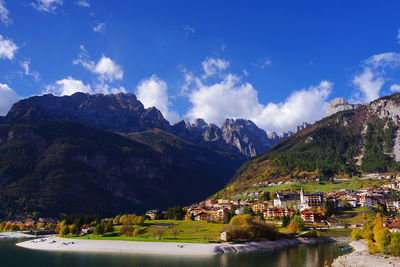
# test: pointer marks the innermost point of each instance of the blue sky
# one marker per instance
(277, 64)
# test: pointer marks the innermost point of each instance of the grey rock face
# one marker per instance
(340, 104)
(119, 112)
(235, 135)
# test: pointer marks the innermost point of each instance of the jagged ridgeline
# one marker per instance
(366, 138)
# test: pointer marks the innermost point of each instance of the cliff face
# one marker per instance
(119, 112)
(238, 136)
(340, 104)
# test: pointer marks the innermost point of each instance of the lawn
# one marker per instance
(335, 232)
(190, 232)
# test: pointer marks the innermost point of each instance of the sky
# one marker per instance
(277, 63)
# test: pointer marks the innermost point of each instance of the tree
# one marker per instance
(157, 231)
(74, 229)
(293, 227)
(383, 240)
(394, 246)
(241, 220)
(64, 230)
(300, 222)
(285, 220)
(116, 220)
(188, 218)
(99, 229)
(109, 228)
(364, 216)
(175, 213)
(126, 229)
(175, 231)
(248, 210)
(356, 234)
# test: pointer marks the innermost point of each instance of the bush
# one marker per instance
(394, 246)
(244, 227)
(372, 247)
(356, 234)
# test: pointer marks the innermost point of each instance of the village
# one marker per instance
(314, 208)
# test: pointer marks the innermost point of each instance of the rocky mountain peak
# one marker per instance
(340, 104)
(116, 112)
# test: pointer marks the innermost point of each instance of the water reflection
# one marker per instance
(11, 255)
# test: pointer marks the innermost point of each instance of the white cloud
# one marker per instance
(303, 105)
(230, 98)
(153, 92)
(82, 3)
(48, 6)
(395, 88)
(370, 81)
(68, 86)
(369, 85)
(105, 69)
(100, 27)
(188, 30)
(28, 72)
(7, 98)
(7, 48)
(4, 14)
(212, 65)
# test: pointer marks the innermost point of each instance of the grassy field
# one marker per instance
(335, 232)
(354, 216)
(191, 232)
(353, 184)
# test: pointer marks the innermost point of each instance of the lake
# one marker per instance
(10, 255)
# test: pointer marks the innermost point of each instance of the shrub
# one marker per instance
(372, 247)
(243, 227)
(356, 234)
(394, 246)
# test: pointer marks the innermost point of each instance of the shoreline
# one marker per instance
(15, 235)
(168, 248)
(361, 258)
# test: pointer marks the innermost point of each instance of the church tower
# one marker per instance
(301, 195)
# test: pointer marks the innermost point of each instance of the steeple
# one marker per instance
(301, 195)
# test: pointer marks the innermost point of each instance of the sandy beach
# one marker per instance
(360, 258)
(11, 235)
(165, 248)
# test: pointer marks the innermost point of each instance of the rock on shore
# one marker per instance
(360, 258)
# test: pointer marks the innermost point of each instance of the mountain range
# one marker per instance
(104, 154)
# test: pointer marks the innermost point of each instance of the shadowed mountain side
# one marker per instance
(58, 167)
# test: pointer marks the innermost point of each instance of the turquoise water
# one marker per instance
(10, 255)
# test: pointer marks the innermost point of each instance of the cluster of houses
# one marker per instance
(289, 203)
